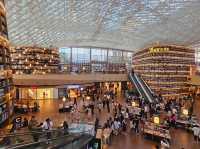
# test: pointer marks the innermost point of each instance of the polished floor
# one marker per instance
(128, 140)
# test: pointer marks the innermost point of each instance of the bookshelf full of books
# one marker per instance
(165, 69)
(6, 84)
(34, 60)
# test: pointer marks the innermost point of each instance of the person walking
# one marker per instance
(196, 132)
(137, 125)
(75, 102)
(92, 107)
(103, 102)
(108, 105)
(32, 126)
(47, 126)
(99, 105)
(25, 122)
(96, 125)
(65, 128)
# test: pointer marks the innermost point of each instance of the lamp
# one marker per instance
(63, 99)
(88, 97)
(156, 120)
(185, 112)
(133, 104)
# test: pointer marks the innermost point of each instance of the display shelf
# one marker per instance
(165, 68)
(6, 83)
(34, 60)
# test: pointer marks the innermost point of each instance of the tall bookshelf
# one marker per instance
(6, 84)
(165, 69)
(34, 60)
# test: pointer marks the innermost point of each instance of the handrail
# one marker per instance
(130, 75)
(29, 132)
(138, 86)
(150, 100)
(35, 143)
(53, 139)
(145, 86)
(78, 138)
(151, 92)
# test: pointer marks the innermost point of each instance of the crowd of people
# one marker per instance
(120, 119)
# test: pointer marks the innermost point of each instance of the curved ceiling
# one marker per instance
(121, 24)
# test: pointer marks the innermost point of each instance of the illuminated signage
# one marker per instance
(158, 50)
(156, 120)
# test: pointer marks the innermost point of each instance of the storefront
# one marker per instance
(56, 92)
(74, 91)
(37, 93)
(69, 91)
(116, 87)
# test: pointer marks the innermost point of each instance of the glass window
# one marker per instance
(99, 55)
(98, 67)
(65, 55)
(115, 56)
(127, 57)
(80, 55)
(94, 59)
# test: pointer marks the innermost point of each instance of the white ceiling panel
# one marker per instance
(121, 24)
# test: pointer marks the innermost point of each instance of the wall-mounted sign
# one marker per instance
(158, 50)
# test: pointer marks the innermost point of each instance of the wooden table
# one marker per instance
(107, 135)
(156, 131)
(186, 124)
(99, 138)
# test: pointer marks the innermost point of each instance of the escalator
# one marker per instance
(62, 142)
(142, 87)
(58, 140)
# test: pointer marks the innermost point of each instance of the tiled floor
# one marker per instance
(128, 140)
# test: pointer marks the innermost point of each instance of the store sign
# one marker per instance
(34, 87)
(158, 50)
(73, 86)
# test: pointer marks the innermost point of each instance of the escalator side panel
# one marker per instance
(146, 88)
(137, 85)
(142, 87)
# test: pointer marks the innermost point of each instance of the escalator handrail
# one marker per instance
(29, 132)
(146, 86)
(138, 86)
(28, 144)
(136, 83)
(154, 99)
(149, 98)
(44, 141)
(76, 139)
